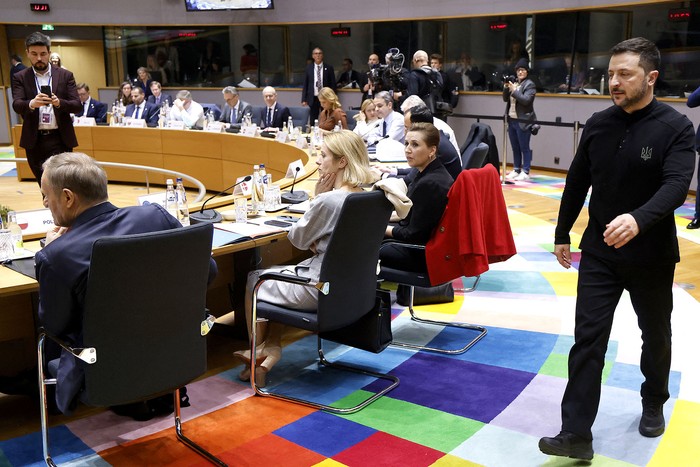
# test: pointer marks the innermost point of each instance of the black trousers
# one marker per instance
(45, 147)
(600, 285)
(314, 109)
(396, 255)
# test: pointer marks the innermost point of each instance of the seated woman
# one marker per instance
(366, 119)
(124, 93)
(332, 114)
(428, 192)
(343, 166)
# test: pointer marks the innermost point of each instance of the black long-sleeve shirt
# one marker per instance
(428, 192)
(639, 163)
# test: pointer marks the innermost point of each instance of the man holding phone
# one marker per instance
(45, 96)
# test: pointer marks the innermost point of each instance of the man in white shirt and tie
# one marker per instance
(91, 107)
(235, 108)
(392, 123)
(140, 109)
(318, 75)
(273, 115)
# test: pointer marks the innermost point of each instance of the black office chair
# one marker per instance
(350, 116)
(144, 322)
(475, 156)
(300, 116)
(346, 288)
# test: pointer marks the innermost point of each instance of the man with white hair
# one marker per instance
(415, 101)
(186, 110)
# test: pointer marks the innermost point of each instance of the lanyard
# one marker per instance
(36, 80)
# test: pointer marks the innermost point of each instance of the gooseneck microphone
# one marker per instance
(291, 197)
(375, 143)
(210, 215)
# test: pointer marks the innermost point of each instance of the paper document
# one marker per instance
(389, 150)
(300, 208)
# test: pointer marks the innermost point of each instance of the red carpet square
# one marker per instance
(382, 449)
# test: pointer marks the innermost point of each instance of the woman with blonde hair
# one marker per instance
(144, 80)
(366, 118)
(332, 113)
(55, 59)
(343, 166)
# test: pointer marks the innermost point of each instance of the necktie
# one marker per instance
(85, 108)
(269, 116)
(319, 81)
(384, 128)
(233, 116)
(137, 112)
(158, 100)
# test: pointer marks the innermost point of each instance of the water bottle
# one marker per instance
(15, 230)
(170, 198)
(183, 212)
(255, 199)
(317, 134)
(290, 124)
(602, 84)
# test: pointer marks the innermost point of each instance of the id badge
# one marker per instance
(46, 115)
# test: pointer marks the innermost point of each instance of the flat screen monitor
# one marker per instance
(206, 5)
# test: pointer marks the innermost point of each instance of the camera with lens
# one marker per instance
(509, 79)
(390, 74)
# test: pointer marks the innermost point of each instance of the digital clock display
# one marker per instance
(39, 7)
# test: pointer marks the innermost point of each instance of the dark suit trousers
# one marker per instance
(315, 107)
(45, 147)
(600, 285)
(395, 255)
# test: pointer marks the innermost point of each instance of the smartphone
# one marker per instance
(46, 90)
(291, 219)
(277, 223)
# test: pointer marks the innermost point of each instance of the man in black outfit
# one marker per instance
(318, 75)
(638, 157)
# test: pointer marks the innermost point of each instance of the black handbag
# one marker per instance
(372, 332)
(443, 293)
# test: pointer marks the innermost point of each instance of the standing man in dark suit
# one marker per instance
(235, 108)
(47, 127)
(139, 108)
(91, 107)
(157, 97)
(75, 190)
(318, 75)
(348, 75)
(273, 115)
(17, 65)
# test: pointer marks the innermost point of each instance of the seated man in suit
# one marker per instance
(74, 187)
(157, 96)
(186, 110)
(391, 125)
(273, 115)
(235, 108)
(142, 109)
(91, 107)
(348, 76)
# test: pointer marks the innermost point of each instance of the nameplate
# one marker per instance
(245, 188)
(282, 137)
(301, 142)
(175, 125)
(292, 169)
(136, 123)
(215, 127)
(248, 130)
(84, 121)
(38, 221)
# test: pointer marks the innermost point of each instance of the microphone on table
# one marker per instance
(204, 216)
(375, 143)
(291, 197)
(370, 128)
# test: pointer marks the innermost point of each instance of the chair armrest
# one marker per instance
(86, 354)
(322, 287)
(406, 245)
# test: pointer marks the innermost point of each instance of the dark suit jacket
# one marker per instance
(63, 85)
(307, 91)
(150, 113)
(524, 100)
(96, 109)
(279, 116)
(243, 108)
(62, 269)
(163, 97)
(344, 79)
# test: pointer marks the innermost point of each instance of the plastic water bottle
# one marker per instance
(170, 198)
(317, 134)
(183, 212)
(255, 199)
(15, 230)
(290, 124)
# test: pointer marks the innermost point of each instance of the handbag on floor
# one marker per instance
(372, 332)
(443, 293)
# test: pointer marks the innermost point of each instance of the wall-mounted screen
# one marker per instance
(205, 5)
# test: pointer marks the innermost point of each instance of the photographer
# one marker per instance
(519, 95)
(424, 82)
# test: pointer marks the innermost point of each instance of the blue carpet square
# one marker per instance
(26, 450)
(626, 376)
(324, 433)
(524, 282)
(467, 389)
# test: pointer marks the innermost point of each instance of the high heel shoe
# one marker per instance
(272, 355)
(243, 356)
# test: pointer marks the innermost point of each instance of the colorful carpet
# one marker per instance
(487, 407)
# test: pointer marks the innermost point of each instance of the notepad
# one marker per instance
(235, 232)
(300, 208)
